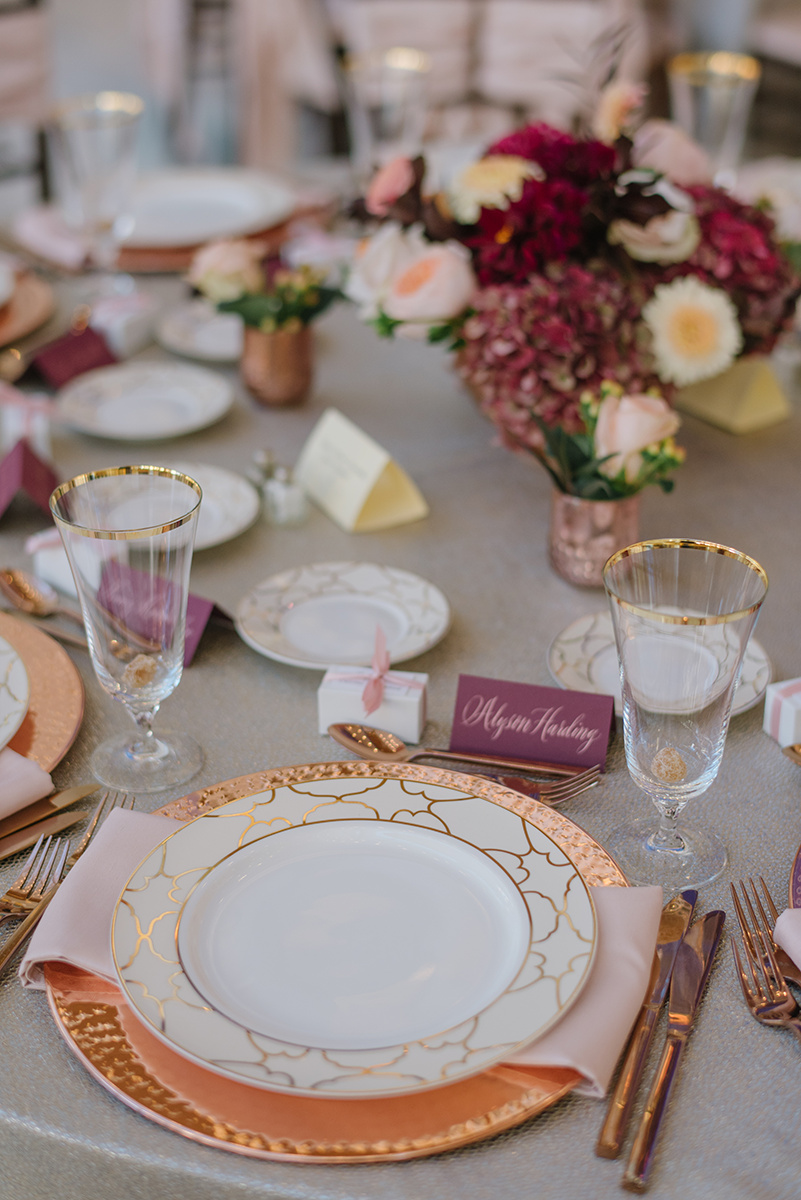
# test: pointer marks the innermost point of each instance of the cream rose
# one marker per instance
(435, 286)
(617, 105)
(669, 238)
(666, 148)
(626, 426)
(227, 270)
(377, 261)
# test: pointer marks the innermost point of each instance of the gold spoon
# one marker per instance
(377, 745)
(32, 595)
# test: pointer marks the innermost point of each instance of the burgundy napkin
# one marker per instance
(76, 929)
(23, 471)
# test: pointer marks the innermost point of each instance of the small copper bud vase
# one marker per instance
(278, 367)
(584, 533)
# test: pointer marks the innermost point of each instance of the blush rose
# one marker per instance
(227, 270)
(626, 426)
(435, 286)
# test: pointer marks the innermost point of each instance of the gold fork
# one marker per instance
(31, 920)
(763, 985)
(786, 965)
(44, 865)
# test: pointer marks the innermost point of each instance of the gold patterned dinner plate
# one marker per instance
(56, 696)
(152, 1077)
(354, 936)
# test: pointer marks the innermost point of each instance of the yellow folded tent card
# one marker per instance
(354, 480)
(743, 399)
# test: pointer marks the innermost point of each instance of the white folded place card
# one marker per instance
(402, 708)
(354, 480)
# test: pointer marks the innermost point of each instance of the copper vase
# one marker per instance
(278, 367)
(584, 533)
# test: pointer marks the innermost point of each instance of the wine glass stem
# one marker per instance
(148, 745)
(667, 836)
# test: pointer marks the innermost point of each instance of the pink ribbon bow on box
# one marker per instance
(380, 674)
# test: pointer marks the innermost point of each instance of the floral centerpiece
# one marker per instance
(277, 305)
(556, 265)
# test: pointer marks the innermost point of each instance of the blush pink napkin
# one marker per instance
(21, 782)
(76, 929)
(788, 933)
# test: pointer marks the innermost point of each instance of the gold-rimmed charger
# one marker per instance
(56, 700)
(155, 1081)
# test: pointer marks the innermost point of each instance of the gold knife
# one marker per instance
(44, 808)
(693, 964)
(676, 917)
(24, 838)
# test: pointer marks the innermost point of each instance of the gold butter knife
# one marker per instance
(44, 808)
(25, 838)
(675, 920)
(690, 973)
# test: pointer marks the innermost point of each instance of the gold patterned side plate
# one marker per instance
(56, 700)
(354, 937)
(148, 1076)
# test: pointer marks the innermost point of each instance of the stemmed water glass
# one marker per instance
(93, 142)
(683, 612)
(129, 534)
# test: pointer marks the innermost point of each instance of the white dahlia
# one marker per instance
(695, 330)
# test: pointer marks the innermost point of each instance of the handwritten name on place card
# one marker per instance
(523, 720)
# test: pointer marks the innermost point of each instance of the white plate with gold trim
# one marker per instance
(14, 692)
(144, 401)
(197, 330)
(188, 206)
(325, 614)
(367, 936)
(583, 658)
(229, 506)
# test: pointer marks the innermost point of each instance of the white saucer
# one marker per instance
(229, 506)
(583, 658)
(196, 330)
(326, 614)
(144, 401)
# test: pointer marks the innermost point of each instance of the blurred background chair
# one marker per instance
(25, 97)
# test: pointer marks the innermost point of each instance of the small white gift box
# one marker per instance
(782, 719)
(402, 711)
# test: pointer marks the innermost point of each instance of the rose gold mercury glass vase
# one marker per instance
(584, 533)
(278, 367)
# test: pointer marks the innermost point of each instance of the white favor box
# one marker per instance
(782, 719)
(127, 322)
(402, 710)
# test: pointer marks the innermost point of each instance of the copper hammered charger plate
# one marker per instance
(160, 1084)
(55, 705)
(30, 306)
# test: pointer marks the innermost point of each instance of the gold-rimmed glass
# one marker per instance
(129, 534)
(683, 612)
(710, 98)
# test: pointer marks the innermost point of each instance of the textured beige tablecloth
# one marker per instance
(484, 544)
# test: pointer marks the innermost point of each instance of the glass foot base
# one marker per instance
(702, 859)
(177, 759)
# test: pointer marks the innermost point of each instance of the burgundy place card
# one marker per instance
(523, 720)
(22, 470)
(148, 608)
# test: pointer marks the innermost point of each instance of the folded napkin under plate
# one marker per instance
(589, 1038)
(22, 781)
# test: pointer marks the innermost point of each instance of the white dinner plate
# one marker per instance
(176, 207)
(14, 692)
(325, 614)
(583, 658)
(229, 506)
(354, 936)
(197, 330)
(146, 401)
